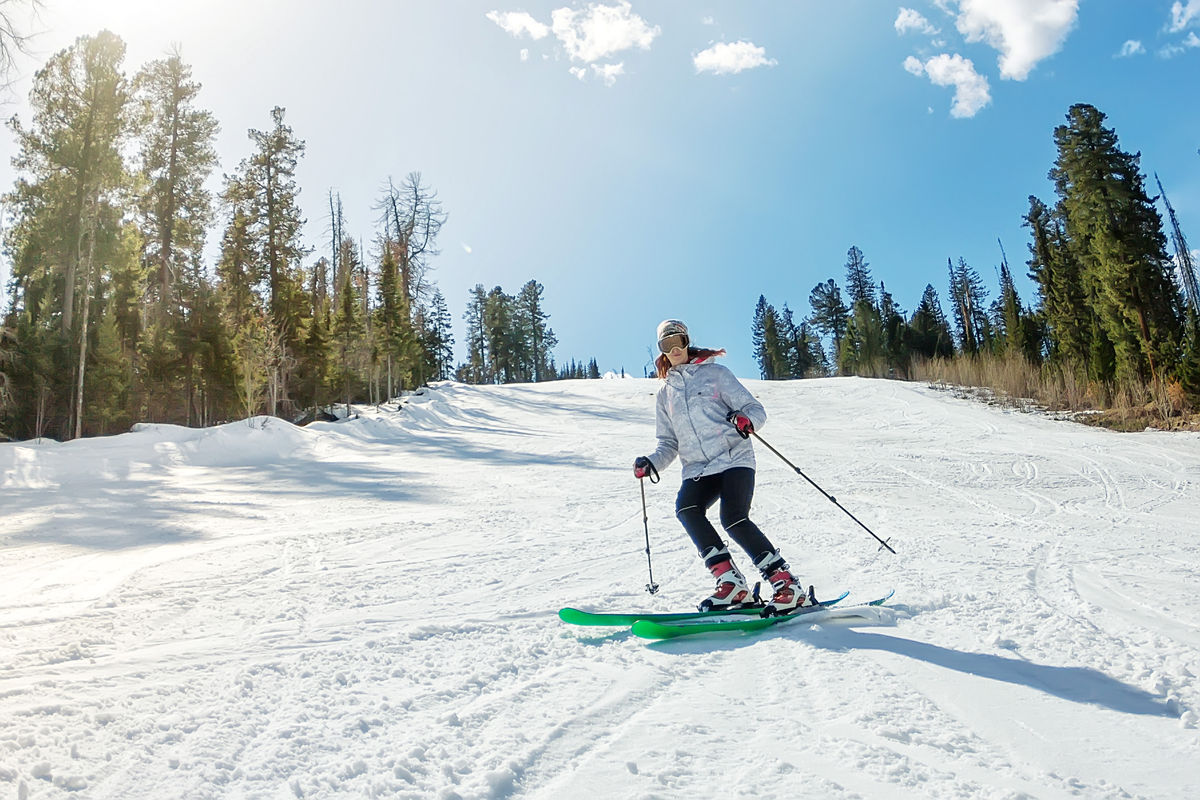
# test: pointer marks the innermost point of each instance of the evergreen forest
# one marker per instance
(139, 294)
(115, 315)
(1115, 320)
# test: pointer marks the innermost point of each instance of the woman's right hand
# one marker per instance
(641, 467)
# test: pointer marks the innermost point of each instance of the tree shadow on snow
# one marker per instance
(157, 509)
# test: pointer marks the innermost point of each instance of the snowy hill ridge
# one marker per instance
(367, 608)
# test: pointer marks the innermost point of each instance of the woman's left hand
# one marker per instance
(743, 424)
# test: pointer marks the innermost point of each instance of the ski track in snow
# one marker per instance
(367, 608)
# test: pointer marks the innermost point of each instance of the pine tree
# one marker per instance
(402, 348)
(896, 334)
(931, 337)
(830, 315)
(72, 172)
(268, 181)
(863, 346)
(503, 353)
(968, 298)
(758, 338)
(348, 328)
(538, 339)
(239, 270)
(859, 285)
(478, 359)
(1116, 234)
(801, 360)
(771, 345)
(176, 157)
(1009, 314)
(1056, 271)
(441, 339)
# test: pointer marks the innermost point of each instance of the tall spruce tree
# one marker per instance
(504, 350)
(1116, 234)
(349, 325)
(539, 338)
(860, 287)
(770, 342)
(968, 297)
(829, 313)
(896, 334)
(176, 157)
(931, 337)
(477, 337)
(863, 349)
(440, 342)
(175, 160)
(1064, 304)
(268, 178)
(71, 174)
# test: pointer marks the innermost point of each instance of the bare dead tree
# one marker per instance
(1183, 257)
(13, 42)
(413, 214)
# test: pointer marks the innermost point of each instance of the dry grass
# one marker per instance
(1013, 381)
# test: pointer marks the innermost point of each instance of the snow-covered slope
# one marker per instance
(368, 607)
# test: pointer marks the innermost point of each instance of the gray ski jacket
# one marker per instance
(690, 421)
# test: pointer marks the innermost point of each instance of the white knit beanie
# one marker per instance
(670, 327)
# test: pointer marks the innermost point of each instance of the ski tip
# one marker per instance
(883, 599)
(832, 600)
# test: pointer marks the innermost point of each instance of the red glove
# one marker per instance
(743, 424)
(641, 467)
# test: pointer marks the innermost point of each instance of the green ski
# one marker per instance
(576, 617)
(651, 629)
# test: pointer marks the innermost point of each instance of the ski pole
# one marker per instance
(828, 496)
(651, 587)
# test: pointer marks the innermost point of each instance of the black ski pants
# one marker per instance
(735, 489)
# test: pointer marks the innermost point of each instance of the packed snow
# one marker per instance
(368, 607)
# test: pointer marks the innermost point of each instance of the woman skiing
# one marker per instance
(705, 416)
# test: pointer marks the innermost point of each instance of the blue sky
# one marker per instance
(661, 159)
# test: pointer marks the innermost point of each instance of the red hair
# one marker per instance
(662, 363)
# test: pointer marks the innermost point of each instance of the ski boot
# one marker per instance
(788, 594)
(731, 592)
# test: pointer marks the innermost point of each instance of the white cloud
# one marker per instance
(599, 31)
(1182, 16)
(1172, 50)
(519, 23)
(1023, 31)
(578, 72)
(609, 72)
(971, 90)
(707, 21)
(466, 248)
(911, 20)
(724, 58)
(525, 54)
(1131, 48)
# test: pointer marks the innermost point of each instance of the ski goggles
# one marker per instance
(669, 343)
